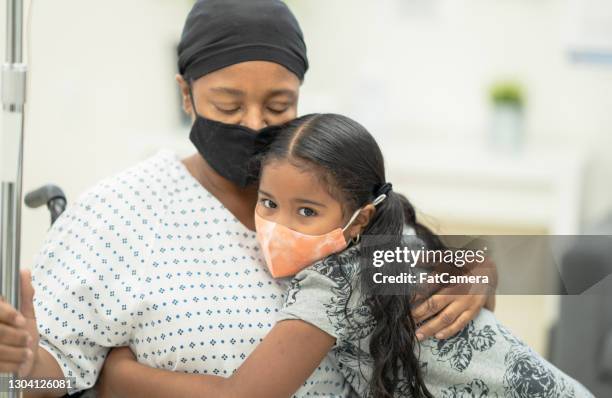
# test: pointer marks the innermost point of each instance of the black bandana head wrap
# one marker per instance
(220, 33)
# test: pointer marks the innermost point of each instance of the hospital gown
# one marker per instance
(149, 259)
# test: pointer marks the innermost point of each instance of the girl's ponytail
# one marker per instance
(393, 339)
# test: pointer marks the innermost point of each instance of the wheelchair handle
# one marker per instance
(50, 195)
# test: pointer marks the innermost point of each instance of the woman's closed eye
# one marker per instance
(279, 108)
(228, 109)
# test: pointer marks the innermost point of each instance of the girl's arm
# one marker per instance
(277, 367)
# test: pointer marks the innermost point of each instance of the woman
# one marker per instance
(163, 257)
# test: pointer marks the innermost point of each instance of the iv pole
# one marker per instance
(11, 160)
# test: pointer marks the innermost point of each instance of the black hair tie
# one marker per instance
(384, 189)
(381, 193)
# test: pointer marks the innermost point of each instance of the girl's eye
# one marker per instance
(307, 212)
(268, 203)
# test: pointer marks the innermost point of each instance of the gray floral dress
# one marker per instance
(483, 360)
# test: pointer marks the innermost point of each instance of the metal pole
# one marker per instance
(14, 31)
(11, 146)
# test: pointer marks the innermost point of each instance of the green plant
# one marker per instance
(507, 92)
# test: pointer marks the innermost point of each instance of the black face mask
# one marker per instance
(231, 149)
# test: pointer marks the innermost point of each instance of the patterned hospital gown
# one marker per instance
(483, 360)
(150, 259)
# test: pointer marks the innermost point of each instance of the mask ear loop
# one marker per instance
(195, 111)
(356, 239)
(353, 217)
(379, 199)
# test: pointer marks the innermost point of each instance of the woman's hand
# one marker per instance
(115, 361)
(449, 310)
(18, 333)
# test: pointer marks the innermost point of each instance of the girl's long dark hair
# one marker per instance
(348, 159)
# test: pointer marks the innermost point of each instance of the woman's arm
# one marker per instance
(277, 367)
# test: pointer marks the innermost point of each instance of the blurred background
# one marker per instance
(495, 116)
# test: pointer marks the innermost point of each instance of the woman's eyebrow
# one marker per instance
(286, 92)
(227, 90)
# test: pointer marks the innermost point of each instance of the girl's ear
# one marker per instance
(361, 221)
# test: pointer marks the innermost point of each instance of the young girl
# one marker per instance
(322, 187)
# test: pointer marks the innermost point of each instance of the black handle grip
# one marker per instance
(43, 195)
(50, 195)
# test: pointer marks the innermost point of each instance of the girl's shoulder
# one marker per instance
(326, 293)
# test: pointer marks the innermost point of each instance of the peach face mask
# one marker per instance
(287, 251)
